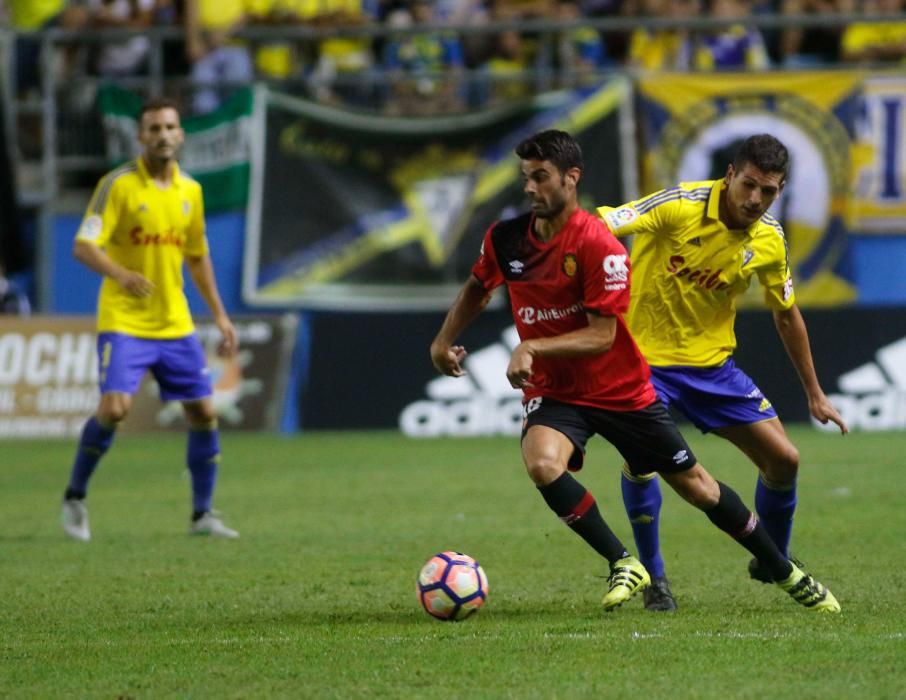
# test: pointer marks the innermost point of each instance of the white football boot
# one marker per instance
(211, 525)
(75, 519)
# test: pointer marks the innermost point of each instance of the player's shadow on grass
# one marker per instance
(408, 616)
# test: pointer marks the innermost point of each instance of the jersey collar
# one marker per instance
(146, 176)
(713, 209)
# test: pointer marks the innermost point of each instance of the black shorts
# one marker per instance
(648, 439)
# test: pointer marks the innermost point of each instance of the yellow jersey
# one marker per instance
(150, 230)
(28, 15)
(688, 268)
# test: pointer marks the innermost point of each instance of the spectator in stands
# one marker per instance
(27, 17)
(580, 52)
(118, 58)
(662, 49)
(344, 66)
(814, 46)
(477, 46)
(275, 60)
(220, 61)
(735, 47)
(616, 43)
(870, 42)
(425, 70)
(507, 71)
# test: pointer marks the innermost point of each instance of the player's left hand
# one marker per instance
(229, 343)
(823, 410)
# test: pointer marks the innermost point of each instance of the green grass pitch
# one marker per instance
(317, 599)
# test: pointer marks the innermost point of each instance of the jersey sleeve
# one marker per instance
(605, 273)
(640, 216)
(196, 240)
(776, 278)
(103, 213)
(486, 269)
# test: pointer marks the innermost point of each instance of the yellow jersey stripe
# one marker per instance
(99, 201)
(647, 204)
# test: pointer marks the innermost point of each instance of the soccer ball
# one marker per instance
(451, 586)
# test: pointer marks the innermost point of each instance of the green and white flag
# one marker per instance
(218, 146)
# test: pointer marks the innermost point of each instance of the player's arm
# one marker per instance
(446, 356)
(596, 338)
(202, 272)
(645, 215)
(94, 258)
(97, 227)
(791, 328)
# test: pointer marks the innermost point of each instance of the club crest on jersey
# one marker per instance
(747, 255)
(570, 264)
(186, 207)
(517, 266)
(620, 217)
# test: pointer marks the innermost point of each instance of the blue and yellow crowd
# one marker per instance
(447, 67)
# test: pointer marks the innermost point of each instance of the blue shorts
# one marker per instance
(178, 365)
(712, 397)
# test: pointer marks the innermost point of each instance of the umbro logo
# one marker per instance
(873, 396)
(516, 267)
(480, 403)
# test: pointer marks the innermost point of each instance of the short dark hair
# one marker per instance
(552, 145)
(156, 103)
(764, 152)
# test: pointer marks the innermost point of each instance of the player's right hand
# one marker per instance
(448, 361)
(136, 284)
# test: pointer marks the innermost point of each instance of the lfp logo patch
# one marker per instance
(620, 217)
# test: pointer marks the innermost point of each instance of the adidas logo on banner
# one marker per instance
(874, 395)
(480, 403)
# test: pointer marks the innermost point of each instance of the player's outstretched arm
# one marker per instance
(447, 357)
(202, 272)
(791, 328)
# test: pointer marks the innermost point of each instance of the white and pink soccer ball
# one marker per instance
(451, 586)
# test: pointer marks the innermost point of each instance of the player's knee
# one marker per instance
(113, 413)
(200, 415)
(542, 470)
(696, 486)
(783, 466)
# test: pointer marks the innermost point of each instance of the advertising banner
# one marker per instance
(864, 375)
(217, 151)
(373, 370)
(363, 212)
(845, 132)
(48, 378)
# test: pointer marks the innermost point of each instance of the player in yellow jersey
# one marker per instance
(696, 248)
(145, 220)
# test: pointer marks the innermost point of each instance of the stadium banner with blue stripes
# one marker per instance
(217, 150)
(845, 132)
(369, 212)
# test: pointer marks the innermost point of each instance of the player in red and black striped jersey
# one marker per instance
(581, 372)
